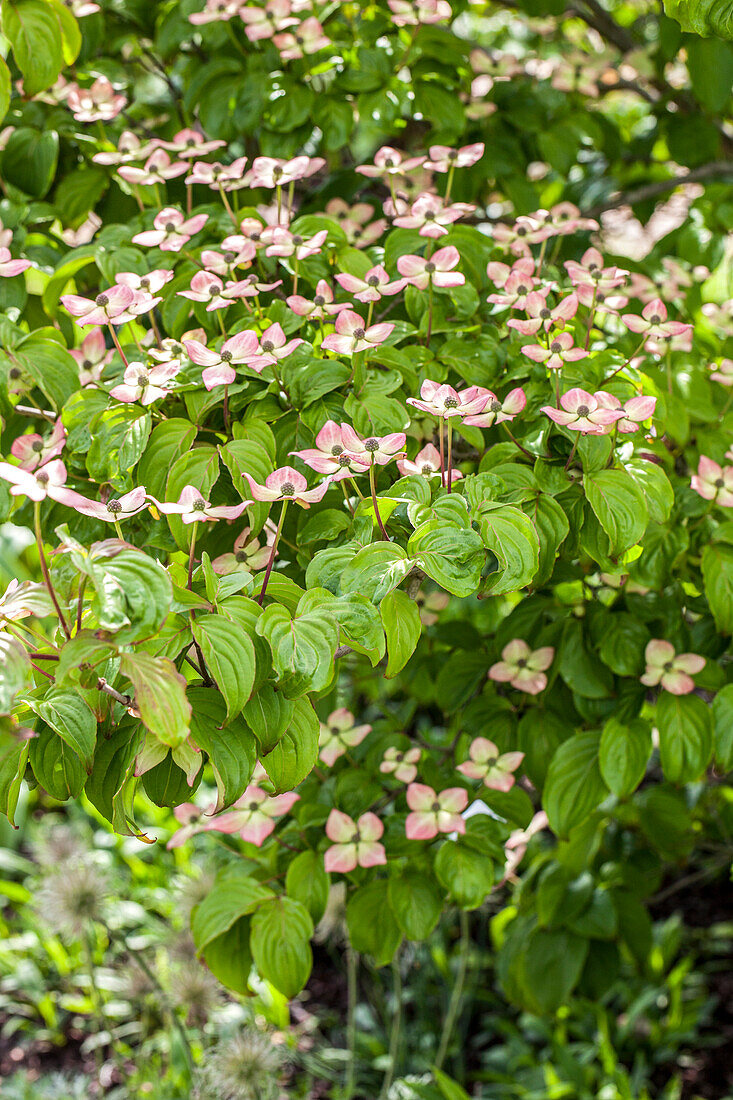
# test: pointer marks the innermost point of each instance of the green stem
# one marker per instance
(541, 258)
(191, 554)
(373, 488)
(449, 184)
(271, 562)
(228, 208)
(590, 319)
(442, 453)
(118, 529)
(44, 568)
(394, 1038)
(117, 344)
(572, 453)
(449, 470)
(352, 974)
(430, 312)
(295, 275)
(454, 1003)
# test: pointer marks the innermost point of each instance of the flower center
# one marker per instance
(336, 449)
(451, 403)
(101, 300)
(114, 506)
(373, 280)
(521, 289)
(556, 346)
(37, 446)
(495, 405)
(582, 410)
(719, 483)
(42, 479)
(142, 378)
(287, 489)
(359, 333)
(655, 319)
(435, 807)
(319, 300)
(170, 227)
(86, 363)
(297, 240)
(241, 555)
(198, 505)
(145, 283)
(344, 460)
(430, 267)
(521, 232)
(226, 357)
(427, 468)
(268, 345)
(545, 313)
(371, 445)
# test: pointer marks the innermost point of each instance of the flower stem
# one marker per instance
(275, 541)
(352, 975)
(591, 315)
(295, 274)
(449, 184)
(394, 1038)
(227, 207)
(571, 456)
(442, 453)
(191, 553)
(430, 312)
(227, 420)
(373, 488)
(44, 568)
(454, 1003)
(449, 470)
(117, 344)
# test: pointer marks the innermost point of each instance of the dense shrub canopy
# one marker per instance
(378, 460)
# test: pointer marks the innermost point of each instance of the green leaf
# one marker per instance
(307, 882)
(373, 927)
(723, 722)
(552, 527)
(15, 671)
(110, 787)
(619, 505)
(229, 957)
(51, 367)
(229, 654)
(450, 556)
(13, 759)
(33, 29)
(232, 750)
(302, 648)
(167, 442)
(199, 467)
(295, 754)
(717, 574)
(656, 487)
(133, 595)
(56, 766)
(685, 736)
(70, 717)
(623, 643)
(269, 714)
(281, 930)
(623, 755)
(574, 785)
(449, 1089)
(416, 902)
(30, 158)
(401, 621)
(5, 89)
(579, 668)
(466, 874)
(375, 570)
(703, 17)
(235, 894)
(549, 968)
(160, 696)
(513, 540)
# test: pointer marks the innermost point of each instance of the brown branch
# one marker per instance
(714, 170)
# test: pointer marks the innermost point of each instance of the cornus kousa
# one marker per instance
(171, 230)
(426, 463)
(193, 507)
(401, 765)
(653, 323)
(438, 270)
(372, 287)
(330, 454)
(522, 667)
(584, 412)
(432, 813)
(220, 366)
(33, 450)
(353, 335)
(495, 769)
(356, 843)
(338, 734)
(714, 482)
(146, 384)
(669, 670)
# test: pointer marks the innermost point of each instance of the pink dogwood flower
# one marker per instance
(561, 351)
(329, 456)
(251, 287)
(356, 843)
(375, 450)
(519, 291)
(216, 11)
(564, 218)
(172, 230)
(210, 289)
(284, 244)
(98, 103)
(249, 552)
(189, 143)
(338, 734)
(443, 401)
(669, 670)
(653, 322)
(92, 357)
(47, 481)
(353, 336)
(33, 450)
(320, 306)
(431, 216)
(225, 263)
(722, 372)
(591, 272)
(193, 507)
(273, 347)
(225, 177)
(442, 158)
(110, 307)
(518, 237)
(426, 463)
(271, 172)
(497, 411)
(145, 384)
(540, 315)
(157, 169)
(409, 13)
(401, 765)
(438, 270)
(264, 22)
(499, 272)
(583, 412)
(375, 284)
(434, 813)
(307, 39)
(113, 509)
(287, 484)
(129, 149)
(390, 162)
(600, 300)
(219, 365)
(10, 267)
(714, 482)
(634, 411)
(148, 284)
(523, 667)
(252, 817)
(491, 766)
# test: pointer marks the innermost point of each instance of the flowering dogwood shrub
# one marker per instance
(380, 509)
